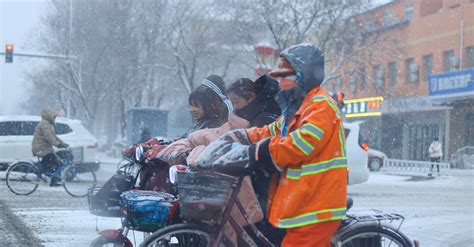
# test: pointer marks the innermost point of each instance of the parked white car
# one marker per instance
(357, 155)
(16, 135)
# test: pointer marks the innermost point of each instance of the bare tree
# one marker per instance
(331, 25)
(132, 53)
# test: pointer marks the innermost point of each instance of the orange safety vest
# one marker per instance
(312, 158)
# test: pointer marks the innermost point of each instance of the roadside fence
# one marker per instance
(415, 167)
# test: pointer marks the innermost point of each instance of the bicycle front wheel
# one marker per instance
(371, 235)
(179, 235)
(103, 241)
(77, 181)
(22, 178)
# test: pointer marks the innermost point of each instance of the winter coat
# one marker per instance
(308, 147)
(264, 109)
(194, 145)
(204, 124)
(435, 150)
(45, 136)
(312, 185)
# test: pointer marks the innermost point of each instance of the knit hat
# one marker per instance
(214, 81)
(216, 84)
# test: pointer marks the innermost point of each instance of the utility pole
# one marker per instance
(50, 56)
(9, 55)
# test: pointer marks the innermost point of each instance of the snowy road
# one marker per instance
(439, 212)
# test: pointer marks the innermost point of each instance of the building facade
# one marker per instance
(426, 80)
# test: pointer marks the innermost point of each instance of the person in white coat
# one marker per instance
(436, 152)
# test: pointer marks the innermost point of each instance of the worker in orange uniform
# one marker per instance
(304, 149)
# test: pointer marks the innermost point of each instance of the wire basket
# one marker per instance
(105, 207)
(203, 196)
(147, 211)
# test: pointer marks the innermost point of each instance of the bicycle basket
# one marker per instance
(105, 207)
(105, 201)
(147, 211)
(203, 196)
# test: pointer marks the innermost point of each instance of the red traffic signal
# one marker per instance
(9, 53)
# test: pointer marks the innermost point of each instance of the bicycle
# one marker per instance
(24, 177)
(366, 230)
(115, 199)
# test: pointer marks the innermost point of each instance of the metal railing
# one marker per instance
(414, 167)
(463, 158)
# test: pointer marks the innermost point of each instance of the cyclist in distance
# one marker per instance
(43, 141)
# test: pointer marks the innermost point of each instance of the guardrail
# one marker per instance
(463, 158)
(414, 167)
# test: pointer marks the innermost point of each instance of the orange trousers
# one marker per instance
(314, 235)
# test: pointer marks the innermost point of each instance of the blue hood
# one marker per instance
(308, 62)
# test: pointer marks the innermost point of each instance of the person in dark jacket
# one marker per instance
(145, 134)
(254, 101)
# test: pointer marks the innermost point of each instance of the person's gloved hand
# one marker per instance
(63, 145)
(176, 152)
(238, 135)
(260, 157)
(235, 162)
(212, 153)
(242, 160)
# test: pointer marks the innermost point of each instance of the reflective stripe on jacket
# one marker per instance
(313, 184)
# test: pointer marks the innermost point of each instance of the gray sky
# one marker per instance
(17, 21)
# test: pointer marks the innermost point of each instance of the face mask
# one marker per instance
(287, 82)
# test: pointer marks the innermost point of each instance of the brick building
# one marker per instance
(426, 80)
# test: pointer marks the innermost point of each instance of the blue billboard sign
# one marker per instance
(452, 83)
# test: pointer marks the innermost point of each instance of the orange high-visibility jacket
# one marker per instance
(312, 159)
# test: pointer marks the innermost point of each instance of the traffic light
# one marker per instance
(9, 53)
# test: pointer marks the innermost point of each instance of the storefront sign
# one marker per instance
(363, 107)
(452, 82)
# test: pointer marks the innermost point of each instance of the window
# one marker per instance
(27, 128)
(411, 71)
(9, 128)
(363, 82)
(427, 66)
(62, 129)
(429, 7)
(420, 137)
(450, 62)
(470, 57)
(409, 11)
(392, 73)
(379, 82)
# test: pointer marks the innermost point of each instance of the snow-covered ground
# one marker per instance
(59, 219)
(439, 212)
